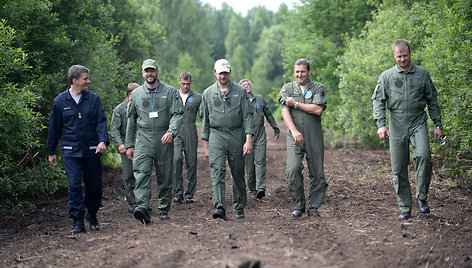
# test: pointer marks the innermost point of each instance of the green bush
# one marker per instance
(447, 55)
(23, 176)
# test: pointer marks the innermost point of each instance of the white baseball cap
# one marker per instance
(222, 65)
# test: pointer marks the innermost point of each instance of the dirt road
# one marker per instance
(358, 227)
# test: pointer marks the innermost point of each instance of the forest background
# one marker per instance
(348, 43)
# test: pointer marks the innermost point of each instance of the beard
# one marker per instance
(223, 82)
(151, 79)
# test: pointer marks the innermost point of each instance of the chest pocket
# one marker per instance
(396, 92)
(67, 114)
(218, 105)
(90, 115)
(191, 106)
(162, 103)
(298, 96)
(234, 115)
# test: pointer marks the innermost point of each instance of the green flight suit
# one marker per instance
(144, 134)
(256, 162)
(186, 142)
(406, 95)
(226, 121)
(309, 126)
(118, 132)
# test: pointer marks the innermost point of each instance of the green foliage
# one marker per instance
(447, 55)
(267, 71)
(187, 30)
(137, 29)
(239, 63)
(219, 24)
(21, 173)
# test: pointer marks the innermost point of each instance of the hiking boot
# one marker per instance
(178, 198)
(79, 226)
(93, 221)
(219, 213)
(142, 215)
(260, 193)
(422, 206)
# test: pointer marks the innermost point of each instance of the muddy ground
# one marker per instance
(358, 225)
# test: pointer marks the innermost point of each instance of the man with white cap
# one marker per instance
(154, 117)
(227, 132)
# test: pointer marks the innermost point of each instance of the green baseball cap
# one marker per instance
(150, 63)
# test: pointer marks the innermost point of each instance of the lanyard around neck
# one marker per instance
(153, 97)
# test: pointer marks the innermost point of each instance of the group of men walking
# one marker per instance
(155, 127)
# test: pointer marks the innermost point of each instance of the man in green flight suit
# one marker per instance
(227, 130)
(303, 103)
(256, 162)
(186, 142)
(155, 113)
(118, 132)
(406, 89)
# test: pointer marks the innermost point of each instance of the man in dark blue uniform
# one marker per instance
(78, 119)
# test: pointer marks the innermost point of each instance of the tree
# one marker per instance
(21, 172)
(267, 72)
(447, 57)
(186, 32)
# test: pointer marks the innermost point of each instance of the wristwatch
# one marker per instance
(296, 105)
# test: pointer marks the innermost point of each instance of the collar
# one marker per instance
(412, 68)
(84, 93)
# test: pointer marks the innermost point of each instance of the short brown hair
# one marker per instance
(131, 87)
(401, 43)
(244, 80)
(75, 72)
(185, 76)
(303, 62)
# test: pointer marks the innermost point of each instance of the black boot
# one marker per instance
(93, 221)
(79, 226)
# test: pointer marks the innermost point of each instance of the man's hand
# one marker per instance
(167, 138)
(297, 137)
(290, 102)
(438, 133)
(247, 148)
(122, 149)
(101, 148)
(205, 148)
(383, 133)
(130, 153)
(276, 136)
(52, 160)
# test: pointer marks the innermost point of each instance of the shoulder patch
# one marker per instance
(117, 115)
(283, 90)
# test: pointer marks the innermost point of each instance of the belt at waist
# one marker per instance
(226, 128)
(153, 129)
(416, 110)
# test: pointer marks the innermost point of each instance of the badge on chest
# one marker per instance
(153, 115)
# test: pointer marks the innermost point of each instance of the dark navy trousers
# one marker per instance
(90, 169)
